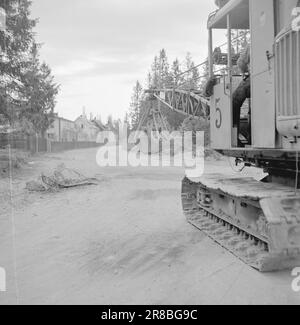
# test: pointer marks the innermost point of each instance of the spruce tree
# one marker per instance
(27, 88)
(136, 105)
(38, 93)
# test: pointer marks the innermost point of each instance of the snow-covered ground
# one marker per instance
(124, 241)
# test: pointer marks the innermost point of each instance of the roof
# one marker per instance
(239, 11)
(83, 118)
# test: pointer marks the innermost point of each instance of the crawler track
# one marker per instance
(250, 249)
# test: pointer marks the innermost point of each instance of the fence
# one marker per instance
(34, 144)
(62, 146)
(30, 144)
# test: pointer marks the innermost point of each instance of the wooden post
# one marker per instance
(49, 149)
(59, 129)
(36, 143)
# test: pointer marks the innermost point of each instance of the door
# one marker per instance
(262, 73)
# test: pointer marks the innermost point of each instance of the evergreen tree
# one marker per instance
(149, 81)
(127, 123)
(164, 74)
(191, 78)
(38, 94)
(15, 43)
(136, 105)
(194, 83)
(204, 75)
(155, 74)
(27, 88)
(160, 77)
(175, 72)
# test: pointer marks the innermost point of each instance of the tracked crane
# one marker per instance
(257, 221)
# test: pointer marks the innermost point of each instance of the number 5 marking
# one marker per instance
(218, 120)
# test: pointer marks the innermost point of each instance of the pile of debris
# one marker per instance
(61, 178)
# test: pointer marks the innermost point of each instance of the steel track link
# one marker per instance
(251, 250)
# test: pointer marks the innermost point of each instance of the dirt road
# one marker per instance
(124, 241)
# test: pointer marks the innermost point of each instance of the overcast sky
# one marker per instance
(97, 49)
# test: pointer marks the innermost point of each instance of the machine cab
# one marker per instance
(253, 23)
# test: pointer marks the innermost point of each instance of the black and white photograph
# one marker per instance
(149, 155)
